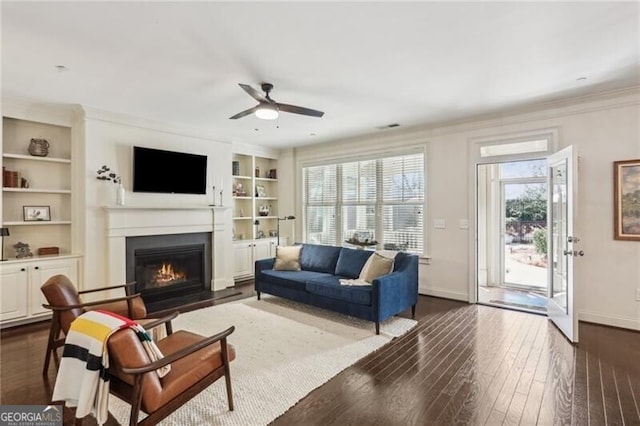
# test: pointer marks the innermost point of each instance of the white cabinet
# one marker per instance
(245, 253)
(20, 284)
(255, 211)
(13, 292)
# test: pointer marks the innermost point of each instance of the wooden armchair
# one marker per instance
(196, 362)
(64, 300)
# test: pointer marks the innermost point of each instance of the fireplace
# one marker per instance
(169, 266)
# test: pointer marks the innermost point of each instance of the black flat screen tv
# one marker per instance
(168, 172)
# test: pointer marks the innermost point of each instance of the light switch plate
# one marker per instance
(439, 223)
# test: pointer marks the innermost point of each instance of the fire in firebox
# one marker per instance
(167, 275)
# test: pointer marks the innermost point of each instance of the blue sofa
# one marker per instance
(318, 283)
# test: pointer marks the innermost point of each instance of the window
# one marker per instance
(379, 199)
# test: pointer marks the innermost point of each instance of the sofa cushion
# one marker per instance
(351, 261)
(287, 258)
(318, 258)
(376, 266)
(329, 286)
(290, 279)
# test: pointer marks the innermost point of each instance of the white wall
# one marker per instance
(603, 128)
(108, 140)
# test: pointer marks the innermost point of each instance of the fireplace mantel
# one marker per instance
(129, 221)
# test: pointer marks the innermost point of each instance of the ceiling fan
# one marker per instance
(267, 108)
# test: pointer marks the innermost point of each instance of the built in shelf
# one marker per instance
(38, 190)
(266, 217)
(241, 198)
(266, 179)
(33, 158)
(242, 218)
(37, 222)
(242, 177)
(266, 198)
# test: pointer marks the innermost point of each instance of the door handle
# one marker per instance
(573, 239)
(568, 253)
(578, 253)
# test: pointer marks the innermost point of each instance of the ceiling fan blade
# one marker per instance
(245, 112)
(299, 110)
(252, 92)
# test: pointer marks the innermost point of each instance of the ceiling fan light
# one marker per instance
(267, 112)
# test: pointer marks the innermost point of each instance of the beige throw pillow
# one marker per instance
(287, 258)
(375, 267)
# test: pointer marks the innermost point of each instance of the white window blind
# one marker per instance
(379, 199)
(320, 204)
(403, 202)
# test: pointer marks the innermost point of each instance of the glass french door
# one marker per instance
(561, 241)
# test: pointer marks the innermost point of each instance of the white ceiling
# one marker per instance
(366, 64)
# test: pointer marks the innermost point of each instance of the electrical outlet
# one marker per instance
(638, 295)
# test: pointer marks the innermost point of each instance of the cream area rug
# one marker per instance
(284, 350)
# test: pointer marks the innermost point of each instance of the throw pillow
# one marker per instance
(287, 258)
(376, 266)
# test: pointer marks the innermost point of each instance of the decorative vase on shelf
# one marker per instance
(39, 147)
(120, 195)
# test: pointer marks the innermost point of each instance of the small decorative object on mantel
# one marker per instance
(22, 250)
(273, 174)
(105, 173)
(39, 147)
(264, 210)
(235, 168)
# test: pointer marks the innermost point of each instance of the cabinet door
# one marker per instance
(262, 250)
(13, 292)
(41, 272)
(243, 259)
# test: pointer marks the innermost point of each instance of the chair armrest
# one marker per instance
(113, 287)
(181, 353)
(155, 322)
(95, 303)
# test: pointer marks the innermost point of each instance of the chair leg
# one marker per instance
(377, 327)
(227, 371)
(258, 293)
(413, 312)
(51, 343)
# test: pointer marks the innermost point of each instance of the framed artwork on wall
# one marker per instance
(626, 198)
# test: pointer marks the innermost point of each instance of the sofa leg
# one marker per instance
(258, 293)
(413, 312)
(377, 327)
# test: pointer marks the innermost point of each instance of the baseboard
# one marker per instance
(445, 294)
(612, 320)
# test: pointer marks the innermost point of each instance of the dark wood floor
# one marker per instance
(463, 364)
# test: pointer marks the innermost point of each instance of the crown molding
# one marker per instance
(533, 112)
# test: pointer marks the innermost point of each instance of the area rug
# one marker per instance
(284, 350)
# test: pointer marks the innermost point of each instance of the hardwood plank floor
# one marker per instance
(462, 364)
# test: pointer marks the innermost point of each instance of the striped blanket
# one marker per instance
(83, 380)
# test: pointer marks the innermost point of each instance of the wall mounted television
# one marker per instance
(168, 172)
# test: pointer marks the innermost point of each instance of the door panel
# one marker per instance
(561, 241)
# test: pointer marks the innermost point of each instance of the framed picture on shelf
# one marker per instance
(260, 191)
(36, 213)
(626, 181)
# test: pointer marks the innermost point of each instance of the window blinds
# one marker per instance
(377, 199)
